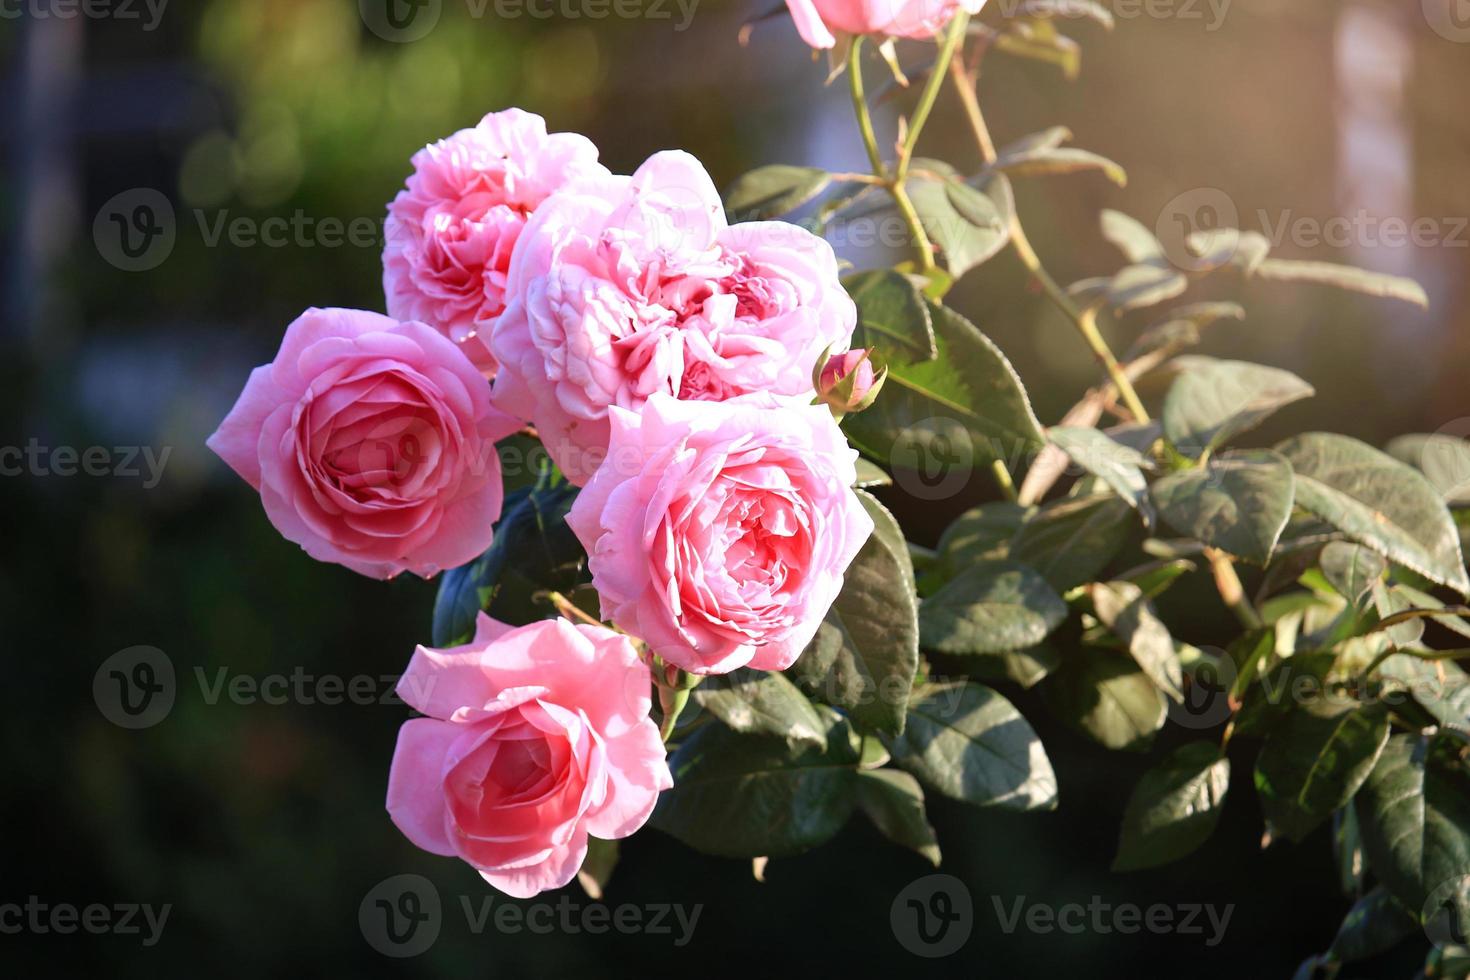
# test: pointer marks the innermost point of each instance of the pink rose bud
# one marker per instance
(818, 21)
(719, 532)
(535, 737)
(372, 444)
(848, 381)
(452, 230)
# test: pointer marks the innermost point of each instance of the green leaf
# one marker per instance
(1137, 287)
(533, 550)
(1347, 848)
(1220, 246)
(1238, 503)
(750, 796)
(871, 475)
(1375, 924)
(894, 801)
(1403, 624)
(1026, 667)
(1414, 815)
(1443, 459)
(1107, 697)
(1181, 327)
(1068, 9)
(962, 221)
(1313, 762)
(964, 406)
(1120, 467)
(1174, 808)
(1123, 609)
(981, 532)
(597, 867)
(971, 744)
(769, 192)
(866, 651)
(1045, 162)
(1378, 501)
(757, 702)
(892, 316)
(1069, 541)
(1440, 688)
(1131, 237)
(991, 607)
(1344, 277)
(1352, 569)
(1214, 401)
(1030, 41)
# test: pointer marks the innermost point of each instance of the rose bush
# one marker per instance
(678, 369)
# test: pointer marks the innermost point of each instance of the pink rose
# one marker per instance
(719, 533)
(817, 20)
(535, 737)
(372, 443)
(451, 232)
(625, 287)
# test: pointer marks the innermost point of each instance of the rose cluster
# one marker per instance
(665, 358)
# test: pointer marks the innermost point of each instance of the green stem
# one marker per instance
(673, 686)
(860, 105)
(916, 227)
(952, 40)
(672, 702)
(1003, 480)
(1231, 591)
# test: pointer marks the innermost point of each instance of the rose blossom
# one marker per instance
(451, 231)
(372, 443)
(535, 738)
(817, 20)
(719, 532)
(629, 286)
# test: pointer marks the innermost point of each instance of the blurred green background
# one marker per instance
(263, 825)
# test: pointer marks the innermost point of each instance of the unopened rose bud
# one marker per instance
(849, 381)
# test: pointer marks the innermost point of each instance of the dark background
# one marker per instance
(263, 825)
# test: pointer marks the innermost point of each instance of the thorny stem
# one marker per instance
(1085, 320)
